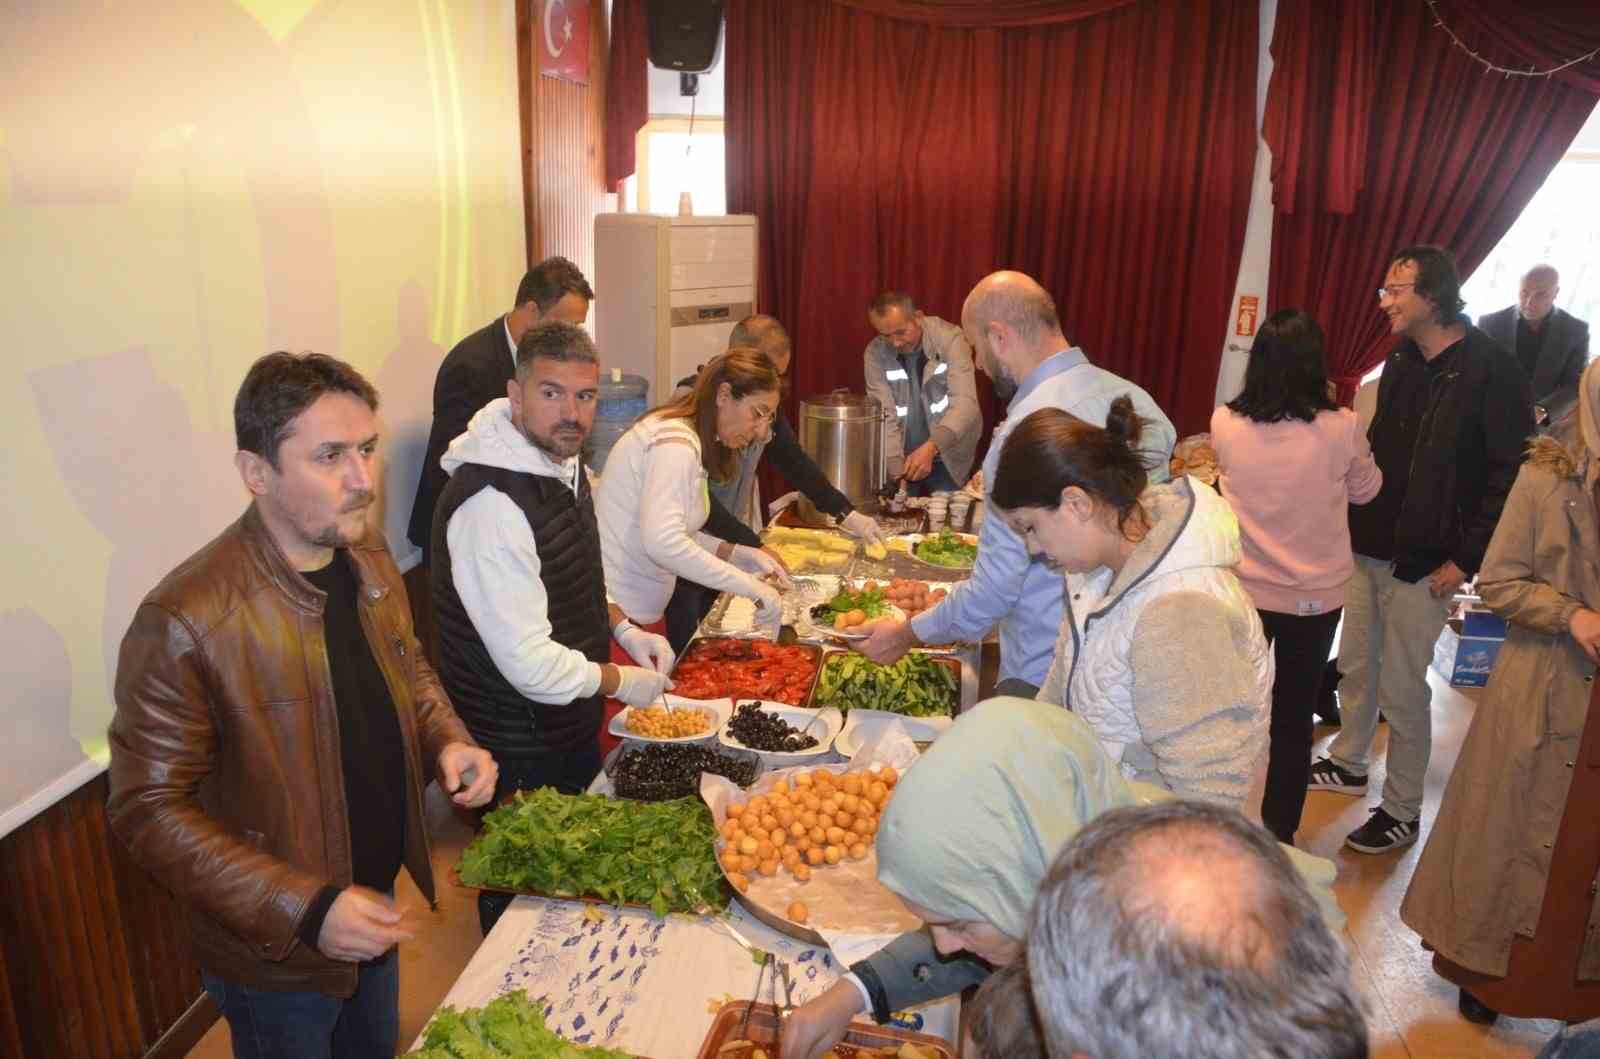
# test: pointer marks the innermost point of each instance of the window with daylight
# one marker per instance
(675, 156)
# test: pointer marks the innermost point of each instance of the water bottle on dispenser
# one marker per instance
(623, 399)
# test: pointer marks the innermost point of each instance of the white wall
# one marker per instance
(182, 188)
(1257, 257)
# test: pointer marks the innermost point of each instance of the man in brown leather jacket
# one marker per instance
(276, 724)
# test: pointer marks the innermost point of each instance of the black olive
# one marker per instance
(759, 730)
(663, 771)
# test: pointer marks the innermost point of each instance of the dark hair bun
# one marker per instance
(1123, 424)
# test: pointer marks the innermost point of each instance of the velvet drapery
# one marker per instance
(1110, 157)
(1384, 133)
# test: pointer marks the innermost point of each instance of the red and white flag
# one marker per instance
(563, 33)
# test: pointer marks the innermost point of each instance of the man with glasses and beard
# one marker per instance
(519, 593)
(276, 724)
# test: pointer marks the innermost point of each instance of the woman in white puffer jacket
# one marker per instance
(1161, 650)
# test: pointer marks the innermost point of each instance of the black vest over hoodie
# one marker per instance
(567, 538)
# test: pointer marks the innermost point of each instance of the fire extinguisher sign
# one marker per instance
(1245, 323)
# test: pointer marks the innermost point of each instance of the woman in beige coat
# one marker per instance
(1502, 892)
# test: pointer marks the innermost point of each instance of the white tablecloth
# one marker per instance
(624, 979)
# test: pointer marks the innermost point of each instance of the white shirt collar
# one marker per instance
(505, 322)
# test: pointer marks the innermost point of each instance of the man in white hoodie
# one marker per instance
(518, 589)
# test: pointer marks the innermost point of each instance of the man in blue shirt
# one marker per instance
(1015, 331)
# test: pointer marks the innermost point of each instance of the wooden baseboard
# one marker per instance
(183, 1035)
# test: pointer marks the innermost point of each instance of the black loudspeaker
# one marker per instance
(685, 35)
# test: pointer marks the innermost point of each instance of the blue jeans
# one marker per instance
(273, 1025)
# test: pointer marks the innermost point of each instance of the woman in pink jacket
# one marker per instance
(1290, 461)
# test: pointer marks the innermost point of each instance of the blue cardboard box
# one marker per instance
(1482, 633)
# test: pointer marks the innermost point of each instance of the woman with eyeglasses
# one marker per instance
(653, 499)
(1290, 460)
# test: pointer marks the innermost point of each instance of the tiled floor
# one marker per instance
(1412, 1012)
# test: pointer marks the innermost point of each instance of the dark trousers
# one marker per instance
(1300, 647)
(688, 607)
(568, 771)
(271, 1025)
(938, 481)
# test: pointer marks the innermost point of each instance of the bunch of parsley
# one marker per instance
(508, 1027)
(659, 854)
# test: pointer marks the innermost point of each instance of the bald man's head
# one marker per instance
(1180, 928)
(1537, 296)
(1012, 324)
(765, 333)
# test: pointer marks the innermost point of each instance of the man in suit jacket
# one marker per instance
(477, 370)
(1551, 343)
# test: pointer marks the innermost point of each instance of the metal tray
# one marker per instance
(811, 648)
(948, 661)
(763, 1030)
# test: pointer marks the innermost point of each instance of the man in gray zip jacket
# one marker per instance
(920, 370)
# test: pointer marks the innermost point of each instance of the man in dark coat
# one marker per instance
(1551, 344)
(477, 369)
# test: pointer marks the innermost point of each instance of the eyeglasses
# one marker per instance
(1392, 290)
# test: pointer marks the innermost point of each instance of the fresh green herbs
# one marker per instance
(916, 686)
(658, 854)
(868, 600)
(508, 1027)
(946, 548)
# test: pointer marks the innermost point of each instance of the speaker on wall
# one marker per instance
(685, 35)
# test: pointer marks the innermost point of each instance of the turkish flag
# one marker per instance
(563, 33)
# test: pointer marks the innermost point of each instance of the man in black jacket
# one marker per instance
(1551, 344)
(477, 369)
(1453, 415)
(730, 500)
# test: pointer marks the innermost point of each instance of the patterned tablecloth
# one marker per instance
(624, 979)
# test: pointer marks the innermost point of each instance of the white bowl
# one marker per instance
(720, 710)
(825, 731)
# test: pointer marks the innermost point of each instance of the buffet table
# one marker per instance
(621, 978)
(624, 979)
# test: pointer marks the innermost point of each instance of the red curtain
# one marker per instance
(987, 14)
(627, 87)
(1540, 36)
(1110, 157)
(1451, 155)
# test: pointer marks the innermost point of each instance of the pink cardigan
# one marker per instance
(1289, 483)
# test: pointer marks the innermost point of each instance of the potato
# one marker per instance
(835, 836)
(749, 845)
(735, 810)
(803, 843)
(856, 617)
(765, 849)
(757, 805)
(851, 784)
(729, 860)
(851, 803)
(802, 780)
(740, 882)
(858, 851)
(833, 854)
(810, 819)
(760, 834)
(780, 838)
(798, 912)
(830, 805)
(878, 792)
(844, 821)
(888, 775)
(841, 622)
(815, 855)
(748, 864)
(869, 825)
(768, 867)
(818, 835)
(798, 830)
(781, 787)
(769, 821)
(802, 871)
(729, 828)
(811, 803)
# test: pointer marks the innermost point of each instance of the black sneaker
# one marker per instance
(1326, 776)
(1476, 1011)
(1383, 833)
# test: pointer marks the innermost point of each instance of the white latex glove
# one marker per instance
(640, 687)
(769, 606)
(759, 564)
(646, 648)
(864, 526)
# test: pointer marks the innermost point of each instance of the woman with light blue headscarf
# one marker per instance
(965, 841)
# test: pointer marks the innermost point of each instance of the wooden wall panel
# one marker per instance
(93, 953)
(563, 146)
